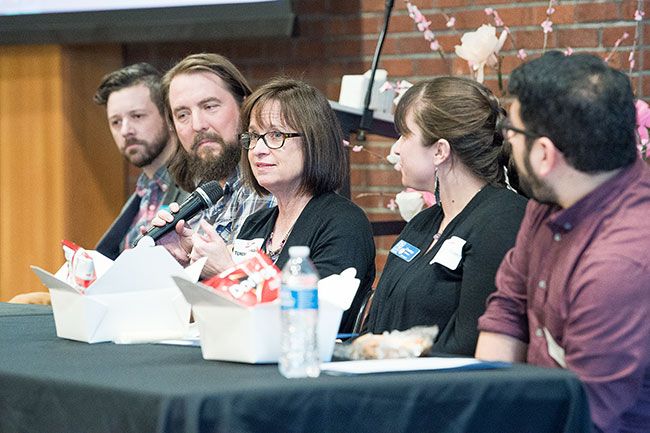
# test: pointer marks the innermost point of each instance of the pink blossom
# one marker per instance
(357, 148)
(346, 143)
(386, 86)
(642, 119)
(489, 11)
(568, 51)
(429, 36)
(451, 22)
(429, 198)
(424, 25)
(547, 26)
(392, 205)
(550, 11)
(638, 15)
(435, 46)
(521, 54)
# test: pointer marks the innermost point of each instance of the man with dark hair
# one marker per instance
(136, 117)
(574, 291)
(203, 93)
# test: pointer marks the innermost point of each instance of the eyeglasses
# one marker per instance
(272, 139)
(504, 126)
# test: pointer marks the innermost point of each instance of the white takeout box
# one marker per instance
(134, 299)
(233, 332)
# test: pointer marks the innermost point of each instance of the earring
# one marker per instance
(436, 188)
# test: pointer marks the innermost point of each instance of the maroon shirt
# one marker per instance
(579, 278)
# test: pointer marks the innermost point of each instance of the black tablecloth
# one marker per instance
(53, 385)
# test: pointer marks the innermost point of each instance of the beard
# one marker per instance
(205, 165)
(150, 149)
(534, 187)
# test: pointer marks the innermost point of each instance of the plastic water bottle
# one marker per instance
(299, 316)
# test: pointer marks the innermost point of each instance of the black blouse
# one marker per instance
(419, 293)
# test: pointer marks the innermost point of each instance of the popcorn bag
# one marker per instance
(253, 281)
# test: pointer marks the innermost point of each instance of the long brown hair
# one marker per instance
(202, 62)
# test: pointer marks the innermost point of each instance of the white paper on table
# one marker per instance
(191, 338)
(406, 364)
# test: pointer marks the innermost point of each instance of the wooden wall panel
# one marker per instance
(60, 175)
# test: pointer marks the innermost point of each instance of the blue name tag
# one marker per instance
(405, 251)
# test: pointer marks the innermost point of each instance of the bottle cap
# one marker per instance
(299, 251)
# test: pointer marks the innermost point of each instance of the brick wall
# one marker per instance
(337, 37)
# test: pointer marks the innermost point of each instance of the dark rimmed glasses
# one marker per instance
(504, 126)
(272, 139)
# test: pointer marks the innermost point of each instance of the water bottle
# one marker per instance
(299, 316)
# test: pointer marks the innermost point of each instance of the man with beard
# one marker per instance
(203, 93)
(135, 110)
(136, 118)
(574, 290)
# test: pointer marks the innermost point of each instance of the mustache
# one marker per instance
(212, 136)
(132, 140)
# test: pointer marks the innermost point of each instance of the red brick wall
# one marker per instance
(337, 37)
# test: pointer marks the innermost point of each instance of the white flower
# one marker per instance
(480, 47)
(393, 158)
(409, 203)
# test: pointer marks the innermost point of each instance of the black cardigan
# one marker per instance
(338, 235)
(418, 293)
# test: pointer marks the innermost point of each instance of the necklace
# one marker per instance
(274, 254)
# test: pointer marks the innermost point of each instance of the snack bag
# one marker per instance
(252, 281)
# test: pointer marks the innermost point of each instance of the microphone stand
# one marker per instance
(366, 118)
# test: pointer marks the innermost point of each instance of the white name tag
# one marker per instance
(450, 253)
(554, 350)
(242, 248)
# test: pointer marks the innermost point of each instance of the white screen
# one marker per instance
(22, 7)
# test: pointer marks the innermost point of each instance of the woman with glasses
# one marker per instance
(293, 148)
(442, 267)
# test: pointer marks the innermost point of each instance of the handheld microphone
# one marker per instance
(203, 197)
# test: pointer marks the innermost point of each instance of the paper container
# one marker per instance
(134, 299)
(232, 332)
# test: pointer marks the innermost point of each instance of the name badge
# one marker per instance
(405, 251)
(450, 253)
(242, 248)
(554, 350)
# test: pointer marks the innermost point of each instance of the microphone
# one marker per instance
(203, 197)
(366, 117)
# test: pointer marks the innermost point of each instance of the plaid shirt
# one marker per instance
(152, 194)
(237, 203)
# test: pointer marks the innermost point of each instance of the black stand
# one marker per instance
(366, 118)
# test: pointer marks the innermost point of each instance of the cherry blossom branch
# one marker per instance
(359, 148)
(547, 24)
(638, 17)
(616, 45)
(423, 25)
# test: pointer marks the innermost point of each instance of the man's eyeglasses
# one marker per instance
(272, 139)
(504, 126)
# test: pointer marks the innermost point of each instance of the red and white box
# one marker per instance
(236, 329)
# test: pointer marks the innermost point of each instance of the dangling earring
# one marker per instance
(436, 188)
